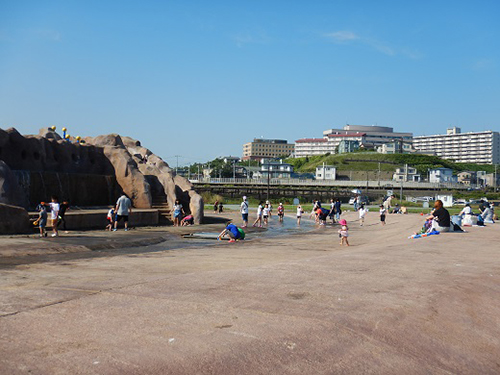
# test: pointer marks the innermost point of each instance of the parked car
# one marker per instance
(460, 202)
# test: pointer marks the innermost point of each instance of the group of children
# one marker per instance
(218, 207)
(57, 212)
(180, 218)
(264, 211)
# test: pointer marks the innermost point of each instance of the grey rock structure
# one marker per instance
(93, 173)
(13, 219)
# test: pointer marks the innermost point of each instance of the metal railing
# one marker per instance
(383, 184)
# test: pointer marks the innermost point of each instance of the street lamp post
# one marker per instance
(268, 178)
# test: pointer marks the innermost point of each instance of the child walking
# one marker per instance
(259, 215)
(344, 232)
(299, 213)
(382, 212)
(362, 213)
(54, 209)
(42, 219)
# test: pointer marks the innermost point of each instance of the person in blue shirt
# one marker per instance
(233, 232)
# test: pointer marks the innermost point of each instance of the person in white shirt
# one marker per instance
(265, 214)
(299, 213)
(382, 212)
(270, 206)
(259, 215)
(466, 211)
(54, 211)
(244, 211)
(362, 213)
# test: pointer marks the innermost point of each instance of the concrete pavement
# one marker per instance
(288, 305)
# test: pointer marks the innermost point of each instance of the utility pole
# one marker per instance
(495, 179)
(268, 178)
(379, 174)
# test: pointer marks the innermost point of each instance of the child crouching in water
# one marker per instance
(344, 232)
(233, 232)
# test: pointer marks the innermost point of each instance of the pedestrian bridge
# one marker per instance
(382, 184)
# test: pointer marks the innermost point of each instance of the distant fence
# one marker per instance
(386, 184)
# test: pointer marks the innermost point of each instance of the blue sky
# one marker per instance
(200, 78)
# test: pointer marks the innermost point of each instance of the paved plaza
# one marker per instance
(298, 304)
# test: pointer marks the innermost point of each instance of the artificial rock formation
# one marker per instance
(153, 176)
(10, 192)
(13, 219)
(89, 173)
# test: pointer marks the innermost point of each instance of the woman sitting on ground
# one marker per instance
(487, 214)
(441, 217)
(467, 210)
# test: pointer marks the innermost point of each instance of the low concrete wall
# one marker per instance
(96, 219)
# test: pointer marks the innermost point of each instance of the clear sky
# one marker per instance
(200, 78)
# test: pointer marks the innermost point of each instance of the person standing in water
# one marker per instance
(265, 214)
(300, 211)
(244, 212)
(281, 212)
(259, 215)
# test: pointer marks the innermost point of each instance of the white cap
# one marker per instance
(244, 197)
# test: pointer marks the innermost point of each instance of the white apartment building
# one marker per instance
(473, 147)
(406, 174)
(313, 146)
(326, 172)
(439, 175)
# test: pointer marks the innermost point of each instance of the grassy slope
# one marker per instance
(369, 161)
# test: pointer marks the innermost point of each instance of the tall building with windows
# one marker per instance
(336, 140)
(373, 135)
(267, 148)
(472, 147)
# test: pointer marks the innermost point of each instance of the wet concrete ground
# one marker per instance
(297, 304)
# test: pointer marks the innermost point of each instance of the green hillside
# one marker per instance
(369, 161)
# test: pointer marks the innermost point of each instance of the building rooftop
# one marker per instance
(455, 134)
(304, 140)
(262, 140)
(356, 134)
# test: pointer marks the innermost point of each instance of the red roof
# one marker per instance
(303, 140)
